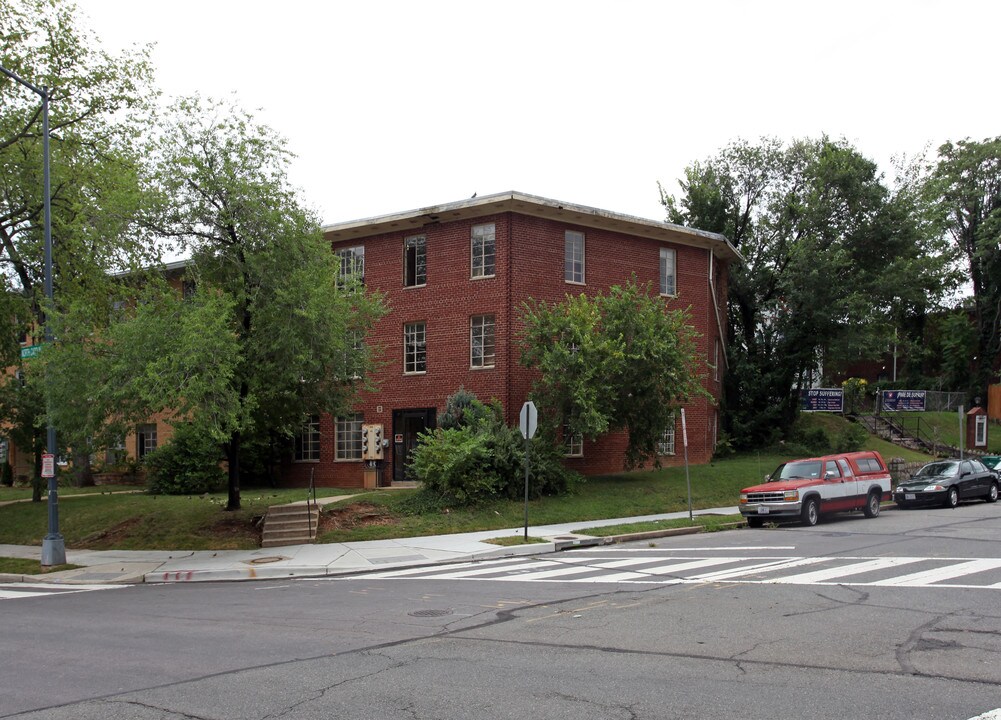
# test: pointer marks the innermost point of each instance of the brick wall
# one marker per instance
(529, 264)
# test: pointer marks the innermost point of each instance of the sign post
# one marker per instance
(529, 424)
(688, 479)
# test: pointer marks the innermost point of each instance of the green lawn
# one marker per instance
(140, 521)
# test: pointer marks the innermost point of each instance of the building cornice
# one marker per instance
(534, 206)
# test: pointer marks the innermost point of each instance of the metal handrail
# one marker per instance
(311, 491)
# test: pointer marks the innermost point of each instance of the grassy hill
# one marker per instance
(141, 521)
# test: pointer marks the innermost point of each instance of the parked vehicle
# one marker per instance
(946, 482)
(806, 489)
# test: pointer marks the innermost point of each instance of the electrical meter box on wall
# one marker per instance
(372, 442)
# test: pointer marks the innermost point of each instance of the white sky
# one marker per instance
(393, 106)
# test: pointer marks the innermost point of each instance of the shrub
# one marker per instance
(853, 438)
(475, 458)
(188, 465)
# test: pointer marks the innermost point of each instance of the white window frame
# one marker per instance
(419, 270)
(667, 446)
(347, 438)
(483, 247)
(307, 442)
(415, 360)
(573, 257)
(668, 272)
(980, 431)
(351, 265)
(482, 336)
(573, 445)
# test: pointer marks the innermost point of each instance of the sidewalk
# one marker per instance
(163, 566)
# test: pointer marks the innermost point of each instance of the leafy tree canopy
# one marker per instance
(619, 361)
(834, 261)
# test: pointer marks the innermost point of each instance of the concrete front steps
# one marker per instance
(292, 524)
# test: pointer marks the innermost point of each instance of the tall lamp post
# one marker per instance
(53, 545)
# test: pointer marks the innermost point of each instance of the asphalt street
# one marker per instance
(897, 617)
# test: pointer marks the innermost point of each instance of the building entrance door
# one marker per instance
(407, 425)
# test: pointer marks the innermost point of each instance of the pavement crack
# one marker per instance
(913, 642)
(157, 708)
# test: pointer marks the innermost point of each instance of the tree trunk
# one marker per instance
(233, 457)
(83, 473)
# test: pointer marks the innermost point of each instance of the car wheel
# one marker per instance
(992, 495)
(952, 499)
(810, 513)
(755, 522)
(871, 508)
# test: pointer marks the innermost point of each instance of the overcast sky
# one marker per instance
(393, 106)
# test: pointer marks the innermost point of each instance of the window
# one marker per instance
(415, 348)
(573, 445)
(414, 261)
(668, 272)
(115, 453)
(145, 440)
(354, 355)
(481, 341)
(483, 251)
(573, 257)
(188, 289)
(348, 437)
(352, 266)
(307, 442)
(665, 446)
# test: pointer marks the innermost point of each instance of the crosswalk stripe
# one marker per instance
(577, 569)
(15, 591)
(945, 573)
(844, 570)
(652, 573)
(751, 569)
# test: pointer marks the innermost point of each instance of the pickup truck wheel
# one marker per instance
(754, 522)
(952, 499)
(871, 508)
(810, 513)
(992, 494)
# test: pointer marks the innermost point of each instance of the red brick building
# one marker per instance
(454, 277)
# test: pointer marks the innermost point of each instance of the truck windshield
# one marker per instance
(798, 470)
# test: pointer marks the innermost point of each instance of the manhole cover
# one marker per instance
(266, 560)
(430, 613)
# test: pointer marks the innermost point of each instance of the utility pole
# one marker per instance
(53, 545)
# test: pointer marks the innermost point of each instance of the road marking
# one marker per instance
(858, 568)
(761, 570)
(17, 591)
(939, 574)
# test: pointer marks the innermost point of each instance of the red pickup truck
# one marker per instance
(809, 488)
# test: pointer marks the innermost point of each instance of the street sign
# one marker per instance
(529, 420)
(684, 429)
(30, 351)
(48, 465)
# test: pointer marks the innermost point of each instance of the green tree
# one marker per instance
(965, 184)
(272, 332)
(99, 106)
(833, 261)
(619, 361)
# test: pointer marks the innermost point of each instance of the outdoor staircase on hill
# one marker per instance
(292, 524)
(893, 431)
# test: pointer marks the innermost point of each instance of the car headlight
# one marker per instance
(743, 497)
(790, 495)
(934, 488)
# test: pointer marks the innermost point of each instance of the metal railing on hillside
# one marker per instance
(311, 492)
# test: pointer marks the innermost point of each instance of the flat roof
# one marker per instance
(524, 204)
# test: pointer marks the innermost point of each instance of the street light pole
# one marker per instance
(53, 545)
